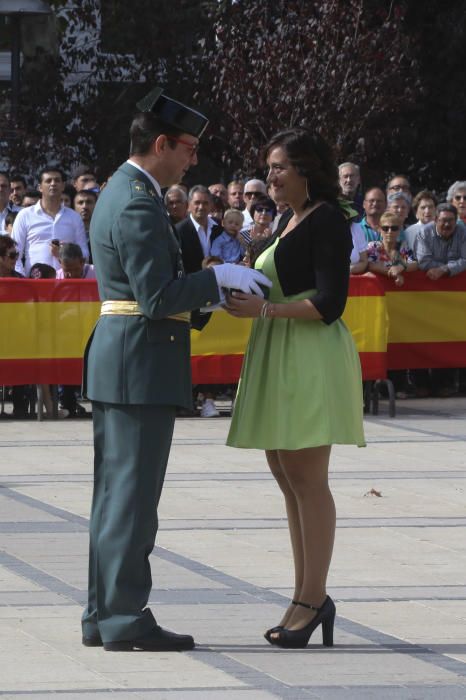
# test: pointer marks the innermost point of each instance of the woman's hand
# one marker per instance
(258, 232)
(395, 271)
(266, 233)
(244, 305)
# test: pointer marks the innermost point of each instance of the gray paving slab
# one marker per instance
(222, 567)
(152, 693)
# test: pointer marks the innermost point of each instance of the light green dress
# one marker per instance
(300, 384)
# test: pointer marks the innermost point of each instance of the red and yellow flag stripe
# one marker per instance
(46, 324)
(217, 351)
(427, 322)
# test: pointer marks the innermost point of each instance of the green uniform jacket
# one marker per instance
(137, 257)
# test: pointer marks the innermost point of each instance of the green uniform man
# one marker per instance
(137, 369)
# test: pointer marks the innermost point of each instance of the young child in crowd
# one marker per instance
(227, 246)
(42, 271)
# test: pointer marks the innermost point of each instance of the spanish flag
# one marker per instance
(46, 324)
(427, 322)
(217, 351)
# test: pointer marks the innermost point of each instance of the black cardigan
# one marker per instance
(316, 255)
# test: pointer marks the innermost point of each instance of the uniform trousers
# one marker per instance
(131, 449)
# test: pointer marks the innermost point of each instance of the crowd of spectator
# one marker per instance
(44, 233)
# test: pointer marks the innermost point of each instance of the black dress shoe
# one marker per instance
(95, 640)
(157, 639)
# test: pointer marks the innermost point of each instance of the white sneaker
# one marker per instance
(208, 409)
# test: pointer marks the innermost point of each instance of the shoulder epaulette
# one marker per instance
(138, 187)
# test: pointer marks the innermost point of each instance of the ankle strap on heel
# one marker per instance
(308, 606)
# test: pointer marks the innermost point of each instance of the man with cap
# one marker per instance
(137, 368)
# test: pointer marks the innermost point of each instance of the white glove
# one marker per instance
(239, 277)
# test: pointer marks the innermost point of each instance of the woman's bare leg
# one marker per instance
(294, 526)
(306, 473)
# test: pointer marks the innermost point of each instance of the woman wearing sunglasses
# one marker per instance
(300, 387)
(390, 257)
(8, 257)
(263, 212)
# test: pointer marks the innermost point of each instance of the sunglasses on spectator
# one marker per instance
(253, 194)
(192, 146)
(12, 256)
(460, 197)
(263, 210)
(390, 228)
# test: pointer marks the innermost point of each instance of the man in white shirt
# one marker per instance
(38, 228)
(198, 231)
(199, 201)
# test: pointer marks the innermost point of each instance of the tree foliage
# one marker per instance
(344, 68)
(380, 79)
(439, 34)
(77, 105)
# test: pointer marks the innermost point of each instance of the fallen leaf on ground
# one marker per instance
(373, 492)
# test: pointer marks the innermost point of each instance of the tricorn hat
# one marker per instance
(173, 113)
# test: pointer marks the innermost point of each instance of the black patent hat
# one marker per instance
(173, 113)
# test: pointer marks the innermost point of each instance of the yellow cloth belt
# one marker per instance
(132, 308)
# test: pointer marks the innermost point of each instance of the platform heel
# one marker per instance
(299, 639)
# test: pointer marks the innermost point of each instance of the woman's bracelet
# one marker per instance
(265, 306)
(268, 310)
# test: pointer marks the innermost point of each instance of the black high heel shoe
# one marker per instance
(299, 639)
(277, 628)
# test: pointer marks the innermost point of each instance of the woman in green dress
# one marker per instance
(300, 387)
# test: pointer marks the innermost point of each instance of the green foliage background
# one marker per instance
(382, 80)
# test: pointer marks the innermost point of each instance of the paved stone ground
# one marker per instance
(222, 568)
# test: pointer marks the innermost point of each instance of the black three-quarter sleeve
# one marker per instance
(331, 251)
(316, 255)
